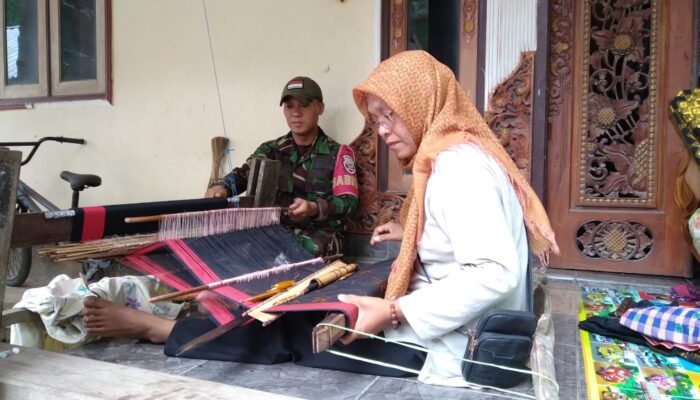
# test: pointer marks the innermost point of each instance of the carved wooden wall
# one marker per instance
(612, 152)
(510, 113)
(376, 207)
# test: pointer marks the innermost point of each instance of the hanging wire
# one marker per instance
(228, 151)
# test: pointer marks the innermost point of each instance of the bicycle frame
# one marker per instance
(28, 198)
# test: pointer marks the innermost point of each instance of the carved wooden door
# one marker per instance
(613, 154)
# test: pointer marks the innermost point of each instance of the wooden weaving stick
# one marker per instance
(231, 281)
(158, 218)
(324, 337)
(324, 276)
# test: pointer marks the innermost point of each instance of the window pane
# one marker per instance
(22, 46)
(78, 37)
(417, 25)
(434, 26)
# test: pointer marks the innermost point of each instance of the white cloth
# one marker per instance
(474, 249)
(60, 305)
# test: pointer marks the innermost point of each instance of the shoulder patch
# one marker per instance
(344, 174)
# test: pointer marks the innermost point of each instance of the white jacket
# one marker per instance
(474, 249)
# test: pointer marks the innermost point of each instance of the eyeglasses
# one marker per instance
(386, 121)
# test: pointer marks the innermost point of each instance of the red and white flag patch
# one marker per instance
(295, 84)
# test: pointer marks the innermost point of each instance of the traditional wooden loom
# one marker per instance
(18, 230)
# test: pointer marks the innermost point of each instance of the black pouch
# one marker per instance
(502, 337)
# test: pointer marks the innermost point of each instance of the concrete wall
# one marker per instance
(153, 141)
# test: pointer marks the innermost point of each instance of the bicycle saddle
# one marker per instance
(81, 181)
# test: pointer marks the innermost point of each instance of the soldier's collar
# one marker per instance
(287, 145)
(320, 144)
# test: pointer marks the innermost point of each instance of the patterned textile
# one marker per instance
(685, 292)
(672, 324)
(694, 229)
(670, 345)
(685, 115)
(426, 96)
(185, 263)
(309, 175)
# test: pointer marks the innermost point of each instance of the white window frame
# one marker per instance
(39, 89)
(50, 86)
(77, 87)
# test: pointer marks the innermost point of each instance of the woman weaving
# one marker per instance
(465, 216)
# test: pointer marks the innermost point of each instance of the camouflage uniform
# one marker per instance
(308, 175)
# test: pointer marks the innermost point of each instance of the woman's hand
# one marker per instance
(373, 315)
(300, 209)
(390, 231)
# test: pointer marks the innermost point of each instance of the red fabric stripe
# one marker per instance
(93, 223)
(148, 267)
(192, 260)
(205, 274)
(147, 249)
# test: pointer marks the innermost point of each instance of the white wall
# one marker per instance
(153, 141)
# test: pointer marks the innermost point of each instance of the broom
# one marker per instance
(218, 149)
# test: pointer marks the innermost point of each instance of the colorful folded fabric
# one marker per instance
(686, 292)
(671, 345)
(671, 324)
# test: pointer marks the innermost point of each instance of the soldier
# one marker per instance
(317, 179)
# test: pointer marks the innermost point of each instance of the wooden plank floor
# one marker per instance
(38, 374)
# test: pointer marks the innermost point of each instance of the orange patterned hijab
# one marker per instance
(438, 114)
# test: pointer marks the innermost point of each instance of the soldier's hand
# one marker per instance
(216, 191)
(389, 231)
(300, 209)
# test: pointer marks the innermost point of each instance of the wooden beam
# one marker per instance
(9, 176)
(32, 229)
(17, 315)
(262, 181)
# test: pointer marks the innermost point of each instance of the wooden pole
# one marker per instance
(9, 176)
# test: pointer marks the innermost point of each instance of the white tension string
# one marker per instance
(218, 92)
(419, 348)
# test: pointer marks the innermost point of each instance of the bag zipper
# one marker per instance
(472, 343)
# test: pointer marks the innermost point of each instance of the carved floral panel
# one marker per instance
(617, 138)
(614, 240)
(561, 14)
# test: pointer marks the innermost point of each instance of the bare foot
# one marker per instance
(108, 319)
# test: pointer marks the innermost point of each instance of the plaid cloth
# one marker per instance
(672, 324)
